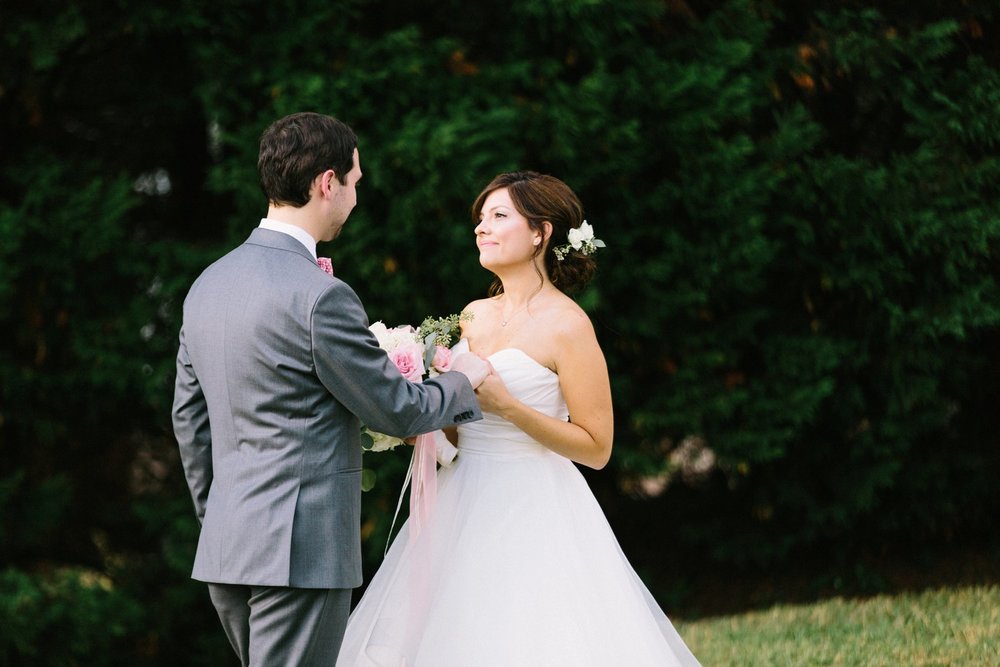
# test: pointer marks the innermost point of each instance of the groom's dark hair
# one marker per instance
(294, 149)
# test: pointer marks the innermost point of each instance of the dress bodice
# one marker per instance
(531, 383)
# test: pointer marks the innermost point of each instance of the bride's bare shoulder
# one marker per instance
(477, 305)
(476, 310)
(569, 321)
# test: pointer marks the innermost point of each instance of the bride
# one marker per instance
(517, 565)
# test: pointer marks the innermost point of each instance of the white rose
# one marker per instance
(580, 235)
(383, 442)
(381, 333)
(399, 336)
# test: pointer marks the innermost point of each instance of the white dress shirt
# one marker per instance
(297, 233)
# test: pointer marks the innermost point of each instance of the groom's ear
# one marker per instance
(326, 182)
(318, 186)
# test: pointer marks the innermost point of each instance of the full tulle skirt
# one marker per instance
(517, 566)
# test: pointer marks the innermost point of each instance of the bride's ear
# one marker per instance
(546, 233)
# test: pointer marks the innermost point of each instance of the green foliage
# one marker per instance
(444, 331)
(61, 618)
(46, 503)
(798, 301)
(811, 308)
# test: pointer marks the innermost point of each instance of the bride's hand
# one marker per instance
(493, 395)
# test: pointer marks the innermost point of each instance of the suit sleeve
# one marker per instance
(359, 374)
(192, 430)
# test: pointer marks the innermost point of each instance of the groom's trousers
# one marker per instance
(283, 627)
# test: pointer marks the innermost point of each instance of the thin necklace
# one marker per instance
(505, 320)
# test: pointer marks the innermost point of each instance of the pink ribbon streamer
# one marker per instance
(423, 489)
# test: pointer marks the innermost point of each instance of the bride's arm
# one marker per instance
(583, 378)
(451, 432)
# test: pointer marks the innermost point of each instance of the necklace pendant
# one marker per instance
(503, 323)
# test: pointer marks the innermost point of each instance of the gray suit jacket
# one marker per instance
(275, 367)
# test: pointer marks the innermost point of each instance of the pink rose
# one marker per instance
(409, 359)
(442, 359)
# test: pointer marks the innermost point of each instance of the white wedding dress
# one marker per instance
(517, 565)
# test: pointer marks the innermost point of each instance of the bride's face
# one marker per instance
(503, 235)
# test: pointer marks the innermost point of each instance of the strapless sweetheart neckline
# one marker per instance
(523, 354)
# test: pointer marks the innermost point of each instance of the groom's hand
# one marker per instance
(471, 366)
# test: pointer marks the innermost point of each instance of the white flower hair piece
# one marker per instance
(580, 239)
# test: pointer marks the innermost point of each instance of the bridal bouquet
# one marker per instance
(419, 354)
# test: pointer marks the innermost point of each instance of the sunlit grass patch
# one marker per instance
(959, 626)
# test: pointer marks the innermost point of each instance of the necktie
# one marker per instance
(325, 264)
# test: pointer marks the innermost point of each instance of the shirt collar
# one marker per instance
(297, 233)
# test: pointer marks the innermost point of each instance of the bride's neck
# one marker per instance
(520, 286)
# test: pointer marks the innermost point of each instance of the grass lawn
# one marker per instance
(952, 626)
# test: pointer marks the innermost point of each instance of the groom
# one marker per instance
(276, 370)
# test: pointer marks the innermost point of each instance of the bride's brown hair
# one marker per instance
(541, 198)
